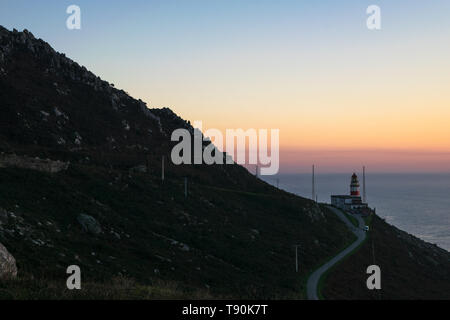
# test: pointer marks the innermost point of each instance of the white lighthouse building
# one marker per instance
(351, 202)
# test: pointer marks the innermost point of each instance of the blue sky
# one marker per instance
(154, 29)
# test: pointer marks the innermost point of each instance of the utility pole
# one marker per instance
(296, 256)
(313, 184)
(278, 183)
(162, 169)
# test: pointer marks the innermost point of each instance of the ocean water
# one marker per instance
(416, 203)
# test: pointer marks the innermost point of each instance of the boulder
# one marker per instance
(8, 268)
(89, 224)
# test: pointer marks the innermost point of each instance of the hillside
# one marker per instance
(410, 268)
(80, 183)
(94, 197)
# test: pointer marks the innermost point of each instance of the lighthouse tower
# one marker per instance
(351, 203)
(354, 185)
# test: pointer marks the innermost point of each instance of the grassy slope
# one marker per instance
(410, 268)
(352, 219)
(352, 239)
(240, 243)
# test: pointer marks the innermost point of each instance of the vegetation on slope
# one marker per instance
(410, 268)
(224, 242)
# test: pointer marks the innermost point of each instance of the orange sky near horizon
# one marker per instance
(397, 118)
(372, 98)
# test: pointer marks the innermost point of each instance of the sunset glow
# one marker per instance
(332, 87)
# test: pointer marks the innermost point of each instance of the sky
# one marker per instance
(341, 95)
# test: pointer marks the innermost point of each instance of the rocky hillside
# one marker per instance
(80, 183)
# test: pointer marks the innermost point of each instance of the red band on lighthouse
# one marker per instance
(354, 185)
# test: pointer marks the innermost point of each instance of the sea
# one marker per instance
(416, 203)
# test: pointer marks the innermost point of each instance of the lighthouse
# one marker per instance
(354, 185)
(351, 202)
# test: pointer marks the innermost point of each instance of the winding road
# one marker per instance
(313, 280)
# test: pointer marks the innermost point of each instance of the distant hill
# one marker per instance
(80, 183)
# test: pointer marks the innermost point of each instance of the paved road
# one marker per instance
(313, 280)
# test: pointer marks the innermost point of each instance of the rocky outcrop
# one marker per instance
(149, 114)
(24, 162)
(15, 39)
(314, 212)
(60, 64)
(61, 116)
(89, 224)
(8, 268)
